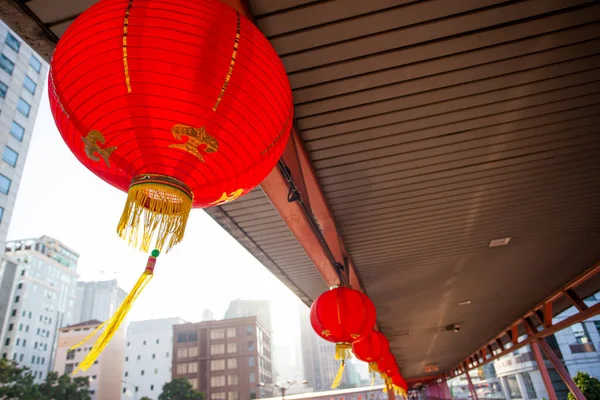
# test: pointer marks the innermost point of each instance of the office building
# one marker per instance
(148, 357)
(105, 374)
(22, 76)
(97, 300)
(251, 308)
(226, 360)
(208, 315)
(38, 297)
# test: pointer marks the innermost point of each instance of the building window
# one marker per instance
(192, 351)
(155, 371)
(10, 327)
(192, 368)
(251, 361)
(144, 342)
(182, 369)
(6, 64)
(249, 330)
(513, 387)
(252, 377)
(126, 374)
(4, 184)
(29, 84)
(151, 387)
(580, 333)
(233, 396)
(3, 90)
(69, 368)
(7, 342)
(192, 336)
(529, 385)
(231, 348)
(252, 395)
(126, 359)
(139, 358)
(181, 337)
(232, 363)
(251, 346)
(231, 332)
(157, 341)
(182, 352)
(13, 42)
(70, 354)
(17, 131)
(10, 156)
(217, 381)
(23, 107)
(35, 64)
(217, 334)
(218, 396)
(217, 365)
(17, 342)
(142, 373)
(128, 344)
(233, 380)
(217, 349)
(153, 356)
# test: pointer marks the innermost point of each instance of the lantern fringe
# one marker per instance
(154, 211)
(373, 370)
(111, 326)
(342, 351)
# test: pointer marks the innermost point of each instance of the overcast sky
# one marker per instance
(60, 198)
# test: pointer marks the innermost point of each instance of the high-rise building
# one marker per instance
(226, 360)
(208, 315)
(148, 357)
(105, 374)
(318, 358)
(22, 75)
(97, 300)
(38, 297)
(251, 308)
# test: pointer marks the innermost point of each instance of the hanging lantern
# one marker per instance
(371, 349)
(400, 383)
(342, 315)
(181, 104)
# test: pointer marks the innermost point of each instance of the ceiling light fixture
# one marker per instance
(464, 303)
(500, 242)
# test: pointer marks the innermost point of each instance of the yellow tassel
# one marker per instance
(111, 326)
(372, 379)
(156, 212)
(342, 351)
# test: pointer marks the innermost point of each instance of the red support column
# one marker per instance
(471, 387)
(560, 368)
(535, 348)
(446, 390)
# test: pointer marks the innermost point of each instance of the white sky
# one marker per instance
(61, 198)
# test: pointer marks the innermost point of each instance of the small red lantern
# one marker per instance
(342, 315)
(372, 347)
(179, 103)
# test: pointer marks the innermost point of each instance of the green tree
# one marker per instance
(145, 398)
(63, 387)
(589, 386)
(180, 389)
(17, 382)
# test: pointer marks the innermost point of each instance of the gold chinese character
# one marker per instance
(93, 150)
(196, 137)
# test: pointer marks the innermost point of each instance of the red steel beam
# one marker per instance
(558, 365)
(576, 300)
(276, 188)
(537, 354)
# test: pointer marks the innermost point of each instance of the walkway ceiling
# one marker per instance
(434, 127)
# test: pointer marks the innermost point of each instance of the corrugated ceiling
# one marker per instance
(434, 127)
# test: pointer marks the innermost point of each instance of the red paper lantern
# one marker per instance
(371, 348)
(399, 381)
(342, 315)
(181, 103)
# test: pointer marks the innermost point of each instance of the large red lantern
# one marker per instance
(342, 315)
(179, 103)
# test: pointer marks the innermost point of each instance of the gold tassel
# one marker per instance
(342, 351)
(156, 212)
(111, 326)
